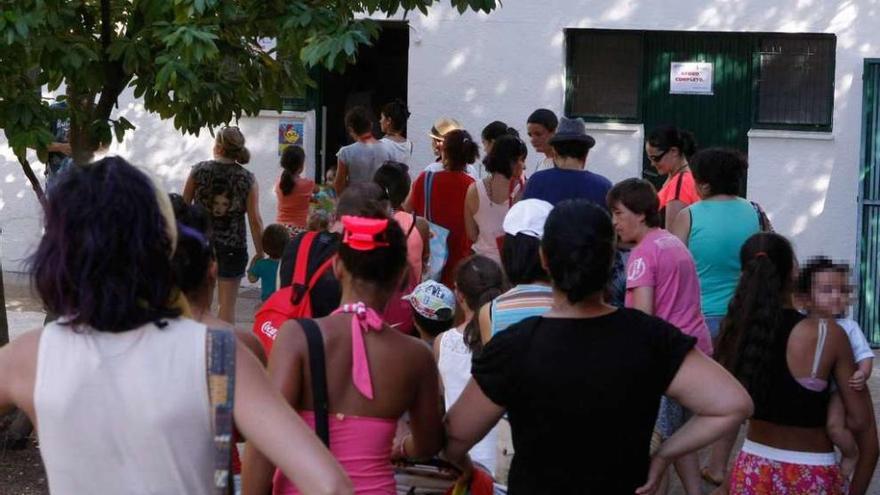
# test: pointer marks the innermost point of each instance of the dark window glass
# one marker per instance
(796, 80)
(604, 74)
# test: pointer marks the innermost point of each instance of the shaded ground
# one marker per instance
(21, 471)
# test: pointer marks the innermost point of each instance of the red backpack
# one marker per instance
(294, 301)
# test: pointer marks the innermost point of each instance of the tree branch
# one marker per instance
(35, 182)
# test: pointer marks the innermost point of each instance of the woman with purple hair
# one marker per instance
(119, 384)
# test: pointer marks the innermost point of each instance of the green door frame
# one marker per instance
(867, 308)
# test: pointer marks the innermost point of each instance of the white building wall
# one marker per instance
(479, 68)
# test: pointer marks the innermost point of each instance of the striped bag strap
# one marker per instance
(221, 392)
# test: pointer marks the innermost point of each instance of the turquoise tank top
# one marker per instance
(718, 231)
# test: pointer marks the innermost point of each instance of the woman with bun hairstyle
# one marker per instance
(587, 373)
(489, 199)
(448, 191)
(293, 192)
(118, 384)
(392, 121)
(787, 361)
(230, 192)
(668, 149)
(491, 132)
(374, 374)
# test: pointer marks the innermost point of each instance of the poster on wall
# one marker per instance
(290, 131)
(690, 78)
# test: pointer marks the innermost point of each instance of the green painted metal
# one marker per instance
(868, 306)
(720, 119)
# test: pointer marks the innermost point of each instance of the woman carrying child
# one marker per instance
(786, 360)
(824, 289)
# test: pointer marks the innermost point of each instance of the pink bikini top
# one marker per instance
(362, 445)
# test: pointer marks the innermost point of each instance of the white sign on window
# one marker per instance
(690, 78)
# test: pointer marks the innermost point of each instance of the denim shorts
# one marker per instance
(231, 262)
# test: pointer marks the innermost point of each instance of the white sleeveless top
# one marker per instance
(126, 412)
(489, 218)
(454, 364)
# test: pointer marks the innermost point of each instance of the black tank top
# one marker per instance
(788, 403)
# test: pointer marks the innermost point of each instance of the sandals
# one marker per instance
(707, 476)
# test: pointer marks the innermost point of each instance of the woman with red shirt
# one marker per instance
(448, 190)
(668, 149)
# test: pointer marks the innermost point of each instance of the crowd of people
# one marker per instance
(617, 328)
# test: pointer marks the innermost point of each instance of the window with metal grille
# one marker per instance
(795, 86)
(603, 74)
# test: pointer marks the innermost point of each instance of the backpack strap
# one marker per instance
(318, 370)
(678, 186)
(220, 346)
(302, 266)
(429, 182)
(413, 226)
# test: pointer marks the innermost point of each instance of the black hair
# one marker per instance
(480, 280)
(816, 265)
(381, 266)
(722, 169)
(105, 256)
(293, 159)
(520, 256)
(394, 179)
(667, 137)
(358, 120)
(397, 113)
(459, 149)
(579, 247)
(639, 197)
(544, 117)
(749, 332)
(194, 253)
(431, 327)
(505, 152)
(495, 130)
(275, 239)
(571, 149)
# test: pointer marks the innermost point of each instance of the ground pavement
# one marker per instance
(21, 472)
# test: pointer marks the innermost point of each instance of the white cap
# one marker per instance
(527, 217)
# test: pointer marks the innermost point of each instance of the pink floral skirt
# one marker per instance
(761, 470)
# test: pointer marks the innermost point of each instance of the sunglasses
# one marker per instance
(657, 158)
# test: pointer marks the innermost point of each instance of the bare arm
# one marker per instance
(273, 427)
(859, 411)
(672, 209)
(486, 323)
(643, 299)
(469, 420)
(252, 278)
(426, 426)
(719, 403)
(866, 366)
(425, 232)
(681, 227)
(255, 220)
(285, 374)
(471, 206)
(340, 182)
(18, 367)
(189, 190)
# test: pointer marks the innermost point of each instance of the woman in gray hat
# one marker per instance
(568, 179)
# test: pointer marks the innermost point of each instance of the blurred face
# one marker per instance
(629, 226)
(665, 161)
(487, 145)
(830, 294)
(538, 136)
(436, 146)
(385, 124)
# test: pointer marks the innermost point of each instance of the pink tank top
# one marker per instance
(293, 209)
(362, 445)
(489, 217)
(398, 313)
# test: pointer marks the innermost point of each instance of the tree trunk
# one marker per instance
(35, 182)
(4, 322)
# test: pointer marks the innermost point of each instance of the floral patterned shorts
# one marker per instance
(759, 471)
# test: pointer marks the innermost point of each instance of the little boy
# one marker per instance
(275, 238)
(433, 307)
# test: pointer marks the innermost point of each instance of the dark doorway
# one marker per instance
(378, 77)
